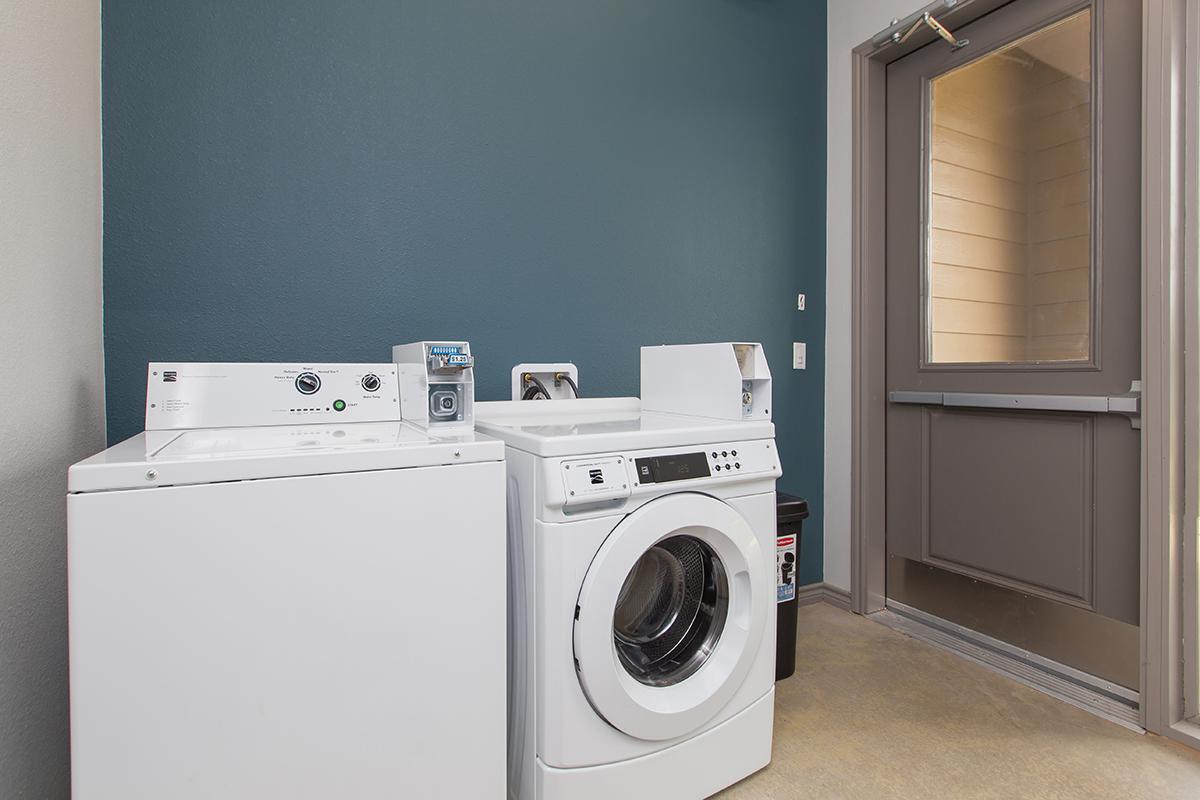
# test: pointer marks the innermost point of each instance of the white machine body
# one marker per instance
(598, 491)
(727, 380)
(303, 611)
(437, 384)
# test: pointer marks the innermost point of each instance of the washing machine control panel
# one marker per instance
(187, 395)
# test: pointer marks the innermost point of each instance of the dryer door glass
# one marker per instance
(670, 611)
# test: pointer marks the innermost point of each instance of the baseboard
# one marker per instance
(1104, 699)
(821, 592)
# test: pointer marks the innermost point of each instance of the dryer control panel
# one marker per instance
(185, 395)
(613, 477)
(726, 460)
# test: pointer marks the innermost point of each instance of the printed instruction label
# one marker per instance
(785, 568)
(593, 480)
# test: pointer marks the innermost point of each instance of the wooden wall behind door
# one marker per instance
(1009, 206)
(1060, 166)
(978, 214)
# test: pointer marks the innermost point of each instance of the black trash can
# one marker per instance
(790, 513)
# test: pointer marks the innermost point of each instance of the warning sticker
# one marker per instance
(785, 568)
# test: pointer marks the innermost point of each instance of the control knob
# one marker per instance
(370, 382)
(308, 383)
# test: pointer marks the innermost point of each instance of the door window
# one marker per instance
(1008, 246)
(670, 611)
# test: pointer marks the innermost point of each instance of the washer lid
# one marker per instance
(601, 425)
(210, 455)
(671, 615)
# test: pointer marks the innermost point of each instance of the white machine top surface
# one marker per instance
(209, 455)
(597, 425)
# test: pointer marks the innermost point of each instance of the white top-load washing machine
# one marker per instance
(308, 608)
(642, 599)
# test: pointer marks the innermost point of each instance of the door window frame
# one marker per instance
(1170, 318)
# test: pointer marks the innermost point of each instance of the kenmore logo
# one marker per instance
(596, 475)
(170, 376)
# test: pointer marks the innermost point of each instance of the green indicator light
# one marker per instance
(339, 405)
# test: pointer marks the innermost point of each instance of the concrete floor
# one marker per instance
(871, 713)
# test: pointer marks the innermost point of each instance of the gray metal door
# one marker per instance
(1013, 288)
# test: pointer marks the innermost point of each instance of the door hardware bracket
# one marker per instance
(937, 27)
(1129, 405)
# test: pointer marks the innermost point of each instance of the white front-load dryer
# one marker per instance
(642, 614)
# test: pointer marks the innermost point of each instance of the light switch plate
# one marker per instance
(799, 355)
(800, 302)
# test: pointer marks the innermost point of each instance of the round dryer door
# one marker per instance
(671, 614)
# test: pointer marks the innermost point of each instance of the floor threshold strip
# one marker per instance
(1103, 698)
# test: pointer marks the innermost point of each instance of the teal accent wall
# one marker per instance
(549, 179)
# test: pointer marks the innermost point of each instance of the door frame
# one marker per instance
(1169, 306)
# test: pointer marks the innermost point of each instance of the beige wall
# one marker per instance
(51, 394)
(978, 306)
(1060, 170)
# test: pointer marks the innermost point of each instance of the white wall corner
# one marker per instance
(850, 23)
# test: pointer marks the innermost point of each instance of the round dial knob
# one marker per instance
(308, 383)
(370, 383)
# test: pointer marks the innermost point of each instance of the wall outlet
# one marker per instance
(799, 355)
(800, 302)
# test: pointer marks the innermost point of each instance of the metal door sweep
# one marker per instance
(1128, 404)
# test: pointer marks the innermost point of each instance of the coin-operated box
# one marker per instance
(437, 384)
(726, 380)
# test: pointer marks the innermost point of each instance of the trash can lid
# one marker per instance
(789, 508)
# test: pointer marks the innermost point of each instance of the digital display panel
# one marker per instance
(661, 469)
